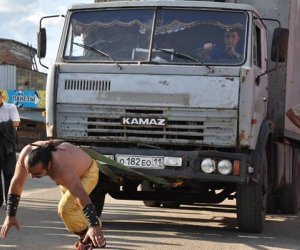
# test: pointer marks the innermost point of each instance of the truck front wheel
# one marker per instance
(252, 202)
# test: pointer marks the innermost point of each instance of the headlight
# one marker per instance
(224, 167)
(208, 166)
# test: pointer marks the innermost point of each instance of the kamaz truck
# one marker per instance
(135, 81)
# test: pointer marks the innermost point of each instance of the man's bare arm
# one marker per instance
(14, 193)
(73, 183)
(20, 175)
(18, 180)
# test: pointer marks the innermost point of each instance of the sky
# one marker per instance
(20, 22)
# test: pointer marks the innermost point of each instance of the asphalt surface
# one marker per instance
(130, 225)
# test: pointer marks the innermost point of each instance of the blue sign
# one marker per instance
(25, 98)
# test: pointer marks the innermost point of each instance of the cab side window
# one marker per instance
(257, 46)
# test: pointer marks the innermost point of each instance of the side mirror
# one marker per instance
(41, 43)
(279, 45)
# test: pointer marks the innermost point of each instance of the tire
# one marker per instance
(272, 206)
(252, 203)
(288, 200)
(170, 204)
(146, 187)
(152, 203)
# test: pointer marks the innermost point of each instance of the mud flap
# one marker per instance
(289, 198)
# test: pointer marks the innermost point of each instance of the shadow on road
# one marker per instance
(173, 228)
(130, 225)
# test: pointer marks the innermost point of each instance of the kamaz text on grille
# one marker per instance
(144, 121)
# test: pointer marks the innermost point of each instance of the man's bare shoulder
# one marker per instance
(40, 143)
(24, 152)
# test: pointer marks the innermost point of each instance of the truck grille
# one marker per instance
(184, 126)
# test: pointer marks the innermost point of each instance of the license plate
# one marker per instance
(138, 161)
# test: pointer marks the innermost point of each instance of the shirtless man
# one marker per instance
(77, 175)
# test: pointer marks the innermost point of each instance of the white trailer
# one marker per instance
(130, 79)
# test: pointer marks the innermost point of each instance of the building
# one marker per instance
(18, 69)
(20, 79)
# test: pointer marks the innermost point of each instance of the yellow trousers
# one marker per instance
(68, 207)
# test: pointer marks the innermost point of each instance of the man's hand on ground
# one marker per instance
(8, 222)
(95, 234)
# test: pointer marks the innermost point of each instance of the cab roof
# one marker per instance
(153, 3)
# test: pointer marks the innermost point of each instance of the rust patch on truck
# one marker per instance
(244, 74)
(243, 136)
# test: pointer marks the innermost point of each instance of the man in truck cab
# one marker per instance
(75, 172)
(231, 39)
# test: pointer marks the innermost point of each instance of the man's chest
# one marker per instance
(55, 178)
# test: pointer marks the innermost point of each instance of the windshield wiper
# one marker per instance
(99, 52)
(185, 56)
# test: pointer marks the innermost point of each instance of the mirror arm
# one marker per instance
(257, 79)
(40, 27)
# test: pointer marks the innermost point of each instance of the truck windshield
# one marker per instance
(144, 35)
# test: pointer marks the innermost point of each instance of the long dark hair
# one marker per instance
(41, 154)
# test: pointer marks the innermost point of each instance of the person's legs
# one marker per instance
(1, 187)
(8, 169)
(98, 194)
(68, 207)
(71, 214)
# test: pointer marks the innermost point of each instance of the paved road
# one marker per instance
(130, 225)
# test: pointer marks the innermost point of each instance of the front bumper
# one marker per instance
(191, 160)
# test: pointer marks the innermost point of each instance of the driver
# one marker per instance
(231, 39)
